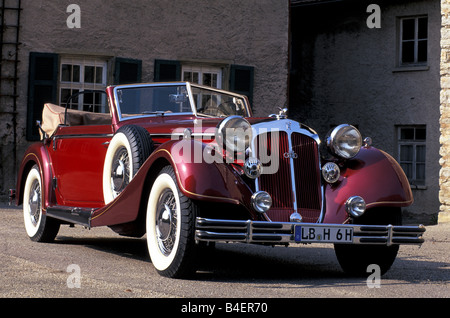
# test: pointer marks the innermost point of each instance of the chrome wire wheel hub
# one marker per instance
(120, 172)
(34, 203)
(166, 222)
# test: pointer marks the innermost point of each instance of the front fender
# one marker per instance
(375, 176)
(196, 179)
(202, 178)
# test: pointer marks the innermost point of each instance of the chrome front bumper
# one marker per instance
(288, 232)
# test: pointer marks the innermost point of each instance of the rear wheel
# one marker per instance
(170, 227)
(355, 259)
(38, 227)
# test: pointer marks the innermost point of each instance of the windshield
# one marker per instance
(144, 100)
(134, 101)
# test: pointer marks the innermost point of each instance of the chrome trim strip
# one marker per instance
(283, 232)
(82, 136)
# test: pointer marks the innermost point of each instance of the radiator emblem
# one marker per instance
(290, 154)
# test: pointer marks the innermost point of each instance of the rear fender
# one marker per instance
(36, 154)
(376, 177)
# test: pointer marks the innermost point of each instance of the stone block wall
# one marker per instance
(444, 175)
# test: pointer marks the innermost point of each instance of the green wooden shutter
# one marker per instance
(241, 80)
(167, 71)
(42, 88)
(127, 71)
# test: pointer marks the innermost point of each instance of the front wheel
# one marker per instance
(170, 227)
(355, 259)
(38, 227)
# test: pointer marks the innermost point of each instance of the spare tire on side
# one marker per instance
(129, 148)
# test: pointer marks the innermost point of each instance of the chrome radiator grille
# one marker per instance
(296, 184)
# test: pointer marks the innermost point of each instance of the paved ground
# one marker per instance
(116, 267)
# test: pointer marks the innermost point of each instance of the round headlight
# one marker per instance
(345, 141)
(234, 133)
(261, 201)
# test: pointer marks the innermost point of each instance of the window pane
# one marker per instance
(407, 168)
(207, 79)
(70, 73)
(76, 73)
(98, 98)
(408, 29)
(422, 53)
(88, 98)
(421, 133)
(423, 28)
(406, 153)
(65, 93)
(195, 78)
(187, 76)
(420, 154)
(420, 171)
(407, 134)
(66, 73)
(89, 74)
(408, 52)
(99, 75)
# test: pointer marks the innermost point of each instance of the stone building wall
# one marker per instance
(350, 74)
(233, 32)
(444, 176)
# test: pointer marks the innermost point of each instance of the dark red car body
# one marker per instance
(71, 165)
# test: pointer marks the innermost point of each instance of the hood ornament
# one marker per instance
(282, 114)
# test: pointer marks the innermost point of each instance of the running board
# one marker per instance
(80, 216)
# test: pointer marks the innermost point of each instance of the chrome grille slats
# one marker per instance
(296, 184)
(307, 177)
(282, 193)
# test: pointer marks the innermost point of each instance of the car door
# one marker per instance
(77, 155)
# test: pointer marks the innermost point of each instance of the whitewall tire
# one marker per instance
(127, 152)
(170, 228)
(39, 228)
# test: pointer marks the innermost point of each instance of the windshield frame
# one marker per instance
(192, 102)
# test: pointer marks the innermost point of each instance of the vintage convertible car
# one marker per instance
(188, 165)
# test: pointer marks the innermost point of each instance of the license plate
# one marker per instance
(323, 234)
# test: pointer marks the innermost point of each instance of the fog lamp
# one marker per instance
(331, 172)
(261, 201)
(355, 206)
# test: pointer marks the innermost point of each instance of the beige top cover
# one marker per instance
(54, 115)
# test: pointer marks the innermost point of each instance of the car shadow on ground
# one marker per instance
(249, 263)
